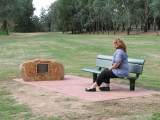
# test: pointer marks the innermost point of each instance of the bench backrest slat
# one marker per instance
(135, 65)
(103, 63)
(135, 68)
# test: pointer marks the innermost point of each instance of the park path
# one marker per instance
(15, 35)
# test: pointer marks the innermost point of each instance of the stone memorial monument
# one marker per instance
(41, 70)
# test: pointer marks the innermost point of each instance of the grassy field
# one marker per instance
(78, 51)
(2, 32)
(74, 52)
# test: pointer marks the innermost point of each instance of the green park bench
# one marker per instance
(105, 61)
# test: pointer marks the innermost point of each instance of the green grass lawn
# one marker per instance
(78, 51)
(2, 32)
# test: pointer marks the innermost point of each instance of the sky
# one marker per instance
(38, 4)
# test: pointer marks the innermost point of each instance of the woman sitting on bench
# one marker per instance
(120, 68)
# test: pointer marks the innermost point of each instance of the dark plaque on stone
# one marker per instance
(42, 68)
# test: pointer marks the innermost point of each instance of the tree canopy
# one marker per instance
(102, 15)
(17, 15)
(79, 16)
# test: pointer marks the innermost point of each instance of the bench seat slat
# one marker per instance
(98, 72)
(91, 70)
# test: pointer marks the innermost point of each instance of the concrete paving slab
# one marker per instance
(74, 86)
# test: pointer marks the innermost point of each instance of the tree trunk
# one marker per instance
(145, 25)
(142, 27)
(81, 26)
(98, 25)
(102, 27)
(154, 23)
(7, 26)
(93, 28)
(129, 25)
(123, 28)
(90, 28)
(128, 31)
(146, 16)
(136, 28)
(72, 31)
(114, 29)
(149, 26)
(113, 26)
(137, 24)
(159, 25)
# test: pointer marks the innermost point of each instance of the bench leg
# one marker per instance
(132, 85)
(94, 77)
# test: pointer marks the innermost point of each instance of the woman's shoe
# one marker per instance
(90, 90)
(104, 88)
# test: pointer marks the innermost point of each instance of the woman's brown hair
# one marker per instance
(119, 44)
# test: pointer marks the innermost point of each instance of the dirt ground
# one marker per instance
(49, 103)
(13, 35)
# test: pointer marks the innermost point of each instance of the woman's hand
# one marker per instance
(114, 66)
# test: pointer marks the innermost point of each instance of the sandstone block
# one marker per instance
(41, 70)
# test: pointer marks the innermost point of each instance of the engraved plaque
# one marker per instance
(42, 68)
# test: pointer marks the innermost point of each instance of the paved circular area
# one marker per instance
(74, 86)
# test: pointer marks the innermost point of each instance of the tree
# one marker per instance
(54, 16)
(156, 12)
(24, 22)
(9, 11)
(112, 8)
(90, 18)
(44, 20)
(36, 24)
(146, 15)
(128, 5)
(99, 15)
(66, 14)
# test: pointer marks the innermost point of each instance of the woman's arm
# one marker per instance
(115, 65)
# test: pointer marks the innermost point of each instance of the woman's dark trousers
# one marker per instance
(105, 76)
